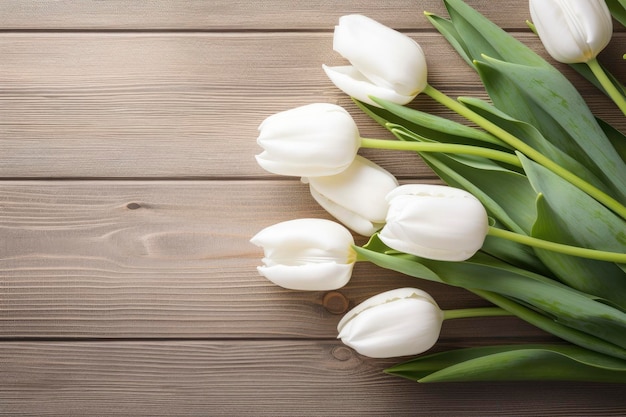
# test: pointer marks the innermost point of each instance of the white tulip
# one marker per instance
(435, 222)
(312, 140)
(356, 196)
(400, 322)
(572, 31)
(307, 254)
(384, 63)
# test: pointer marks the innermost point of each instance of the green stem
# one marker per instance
(441, 147)
(608, 86)
(527, 150)
(558, 247)
(475, 312)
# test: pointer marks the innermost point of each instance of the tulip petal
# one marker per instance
(326, 235)
(356, 85)
(434, 222)
(572, 31)
(295, 169)
(382, 298)
(311, 277)
(407, 326)
(316, 139)
(385, 56)
(306, 254)
(356, 196)
(351, 219)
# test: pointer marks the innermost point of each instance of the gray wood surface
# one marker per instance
(229, 15)
(129, 192)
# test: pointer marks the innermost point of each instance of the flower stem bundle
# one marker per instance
(532, 217)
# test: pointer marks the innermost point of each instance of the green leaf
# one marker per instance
(549, 325)
(531, 136)
(604, 279)
(567, 306)
(481, 36)
(546, 100)
(447, 29)
(618, 10)
(528, 88)
(567, 215)
(429, 126)
(516, 254)
(514, 363)
(617, 138)
(376, 252)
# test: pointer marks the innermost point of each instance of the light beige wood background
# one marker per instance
(129, 190)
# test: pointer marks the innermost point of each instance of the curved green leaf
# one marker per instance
(525, 86)
(567, 215)
(430, 126)
(570, 307)
(447, 29)
(603, 279)
(546, 100)
(492, 286)
(514, 363)
(481, 36)
(618, 10)
(531, 136)
(617, 138)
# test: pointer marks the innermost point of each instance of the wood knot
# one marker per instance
(133, 206)
(342, 353)
(335, 302)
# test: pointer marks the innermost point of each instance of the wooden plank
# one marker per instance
(155, 106)
(232, 15)
(184, 105)
(260, 378)
(172, 259)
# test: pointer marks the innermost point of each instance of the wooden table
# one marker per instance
(129, 191)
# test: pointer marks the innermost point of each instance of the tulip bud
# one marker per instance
(572, 31)
(312, 140)
(385, 63)
(435, 222)
(400, 322)
(356, 196)
(307, 254)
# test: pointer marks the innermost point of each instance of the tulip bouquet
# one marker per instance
(533, 216)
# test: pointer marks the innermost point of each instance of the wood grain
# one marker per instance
(184, 105)
(231, 15)
(129, 192)
(170, 259)
(260, 378)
